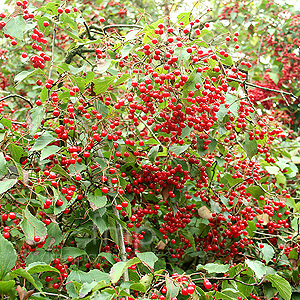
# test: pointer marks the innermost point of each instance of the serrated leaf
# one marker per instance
(32, 227)
(102, 84)
(119, 268)
(49, 150)
(250, 146)
(43, 141)
(8, 256)
(267, 252)
(98, 201)
(148, 258)
(216, 268)
(153, 153)
(6, 285)
(15, 27)
(72, 251)
(7, 184)
(257, 266)
(178, 149)
(281, 284)
(38, 267)
(34, 118)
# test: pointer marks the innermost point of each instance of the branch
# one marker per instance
(18, 96)
(262, 87)
(53, 48)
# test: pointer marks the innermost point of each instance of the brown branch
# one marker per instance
(18, 96)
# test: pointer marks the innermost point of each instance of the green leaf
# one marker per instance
(3, 167)
(223, 296)
(257, 266)
(119, 268)
(172, 289)
(153, 153)
(59, 170)
(122, 79)
(87, 287)
(184, 17)
(178, 149)
(72, 251)
(250, 146)
(49, 150)
(36, 116)
(103, 66)
(6, 123)
(148, 258)
(255, 191)
(38, 267)
(194, 78)
(216, 268)
(26, 74)
(102, 84)
(7, 184)
(32, 227)
(274, 77)
(138, 287)
(43, 141)
(23, 273)
(8, 256)
(98, 201)
(126, 50)
(15, 27)
(273, 170)
(5, 286)
(99, 220)
(282, 285)
(267, 252)
(16, 152)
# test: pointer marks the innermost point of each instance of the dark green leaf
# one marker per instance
(281, 284)
(8, 256)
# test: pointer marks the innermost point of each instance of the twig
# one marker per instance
(262, 87)
(52, 294)
(18, 96)
(53, 48)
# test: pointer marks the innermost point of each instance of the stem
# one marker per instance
(53, 48)
(18, 96)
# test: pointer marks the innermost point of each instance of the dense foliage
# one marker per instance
(146, 157)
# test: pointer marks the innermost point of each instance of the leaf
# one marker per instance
(102, 84)
(5, 286)
(255, 191)
(122, 79)
(257, 266)
(23, 273)
(16, 152)
(99, 201)
(126, 50)
(274, 77)
(267, 252)
(153, 153)
(72, 251)
(148, 258)
(26, 74)
(194, 78)
(273, 170)
(43, 141)
(98, 219)
(172, 289)
(250, 146)
(103, 65)
(8, 256)
(87, 287)
(32, 227)
(49, 150)
(7, 184)
(132, 34)
(138, 287)
(282, 285)
(38, 267)
(34, 118)
(222, 296)
(178, 149)
(3, 167)
(6, 123)
(15, 27)
(119, 268)
(59, 170)
(216, 268)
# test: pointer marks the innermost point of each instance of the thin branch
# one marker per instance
(18, 96)
(53, 48)
(262, 87)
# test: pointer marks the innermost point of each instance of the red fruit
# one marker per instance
(105, 190)
(119, 207)
(46, 23)
(6, 235)
(59, 202)
(69, 258)
(77, 177)
(207, 284)
(12, 215)
(124, 204)
(37, 238)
